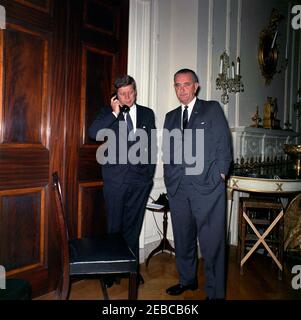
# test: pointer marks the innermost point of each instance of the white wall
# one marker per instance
(255, 15)
(166, 35)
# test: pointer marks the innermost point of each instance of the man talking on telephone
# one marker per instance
(126, 185)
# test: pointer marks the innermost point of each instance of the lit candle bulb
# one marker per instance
(221, 65)
(238, 66)
(274, 40)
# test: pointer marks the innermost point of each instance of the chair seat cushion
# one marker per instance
(16, 289)
(107, 254)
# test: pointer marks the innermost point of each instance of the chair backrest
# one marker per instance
(91, 256)
(64, 281)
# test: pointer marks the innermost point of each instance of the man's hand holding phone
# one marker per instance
(115, 104)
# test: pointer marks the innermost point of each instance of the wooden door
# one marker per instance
(58, 59)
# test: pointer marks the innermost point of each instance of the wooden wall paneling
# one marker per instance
(47, 52)
(1, 83)
(96, 52)
(91, 203)
(27, 14)
(102, 16)
(73, 88)
(57, 129)
(89, 169)
(123, 36)
(98, 72)
(42, 5)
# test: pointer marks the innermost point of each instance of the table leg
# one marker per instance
(164, 244)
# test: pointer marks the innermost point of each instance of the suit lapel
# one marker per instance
(139, 116)
(196, 112)
(178, 118)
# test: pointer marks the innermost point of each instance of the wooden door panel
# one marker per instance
(23, 166)
(91, 201)
(102, 16)
(24, 70)
(25, 13)
(98, 70)
(89, 169)
(22, 229)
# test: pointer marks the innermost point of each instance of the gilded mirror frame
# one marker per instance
(268, 50)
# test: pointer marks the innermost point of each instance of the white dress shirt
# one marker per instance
(189, 109)
(133, 114)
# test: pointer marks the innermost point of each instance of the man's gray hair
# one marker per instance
(194, 76)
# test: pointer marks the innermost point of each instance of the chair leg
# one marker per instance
(133, 286)
(104, 290)
(63, 289)
(280, 239)
(239, 235)
(242, 240)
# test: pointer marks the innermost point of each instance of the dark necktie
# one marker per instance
(185, 117)
(130, 126)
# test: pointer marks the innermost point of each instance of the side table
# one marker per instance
(164, 244)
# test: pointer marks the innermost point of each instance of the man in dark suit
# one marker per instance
(196, 189)
(126, 185)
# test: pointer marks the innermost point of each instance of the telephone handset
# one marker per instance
(124, 108)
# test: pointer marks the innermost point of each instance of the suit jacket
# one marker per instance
(209, 116)
(116, 174)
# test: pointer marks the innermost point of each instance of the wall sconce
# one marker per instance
(228, 80)
(297, 105)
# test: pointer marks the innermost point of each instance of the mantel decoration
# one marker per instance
(228, 79)
(256, 119)
(268, 52)
(270, 111)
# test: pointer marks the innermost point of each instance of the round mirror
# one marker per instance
(268, 56)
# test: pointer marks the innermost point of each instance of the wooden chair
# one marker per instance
(260, 222)
(100, 256)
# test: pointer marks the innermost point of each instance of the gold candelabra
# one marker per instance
(229, 78)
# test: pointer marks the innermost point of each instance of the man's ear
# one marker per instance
(197, 88)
